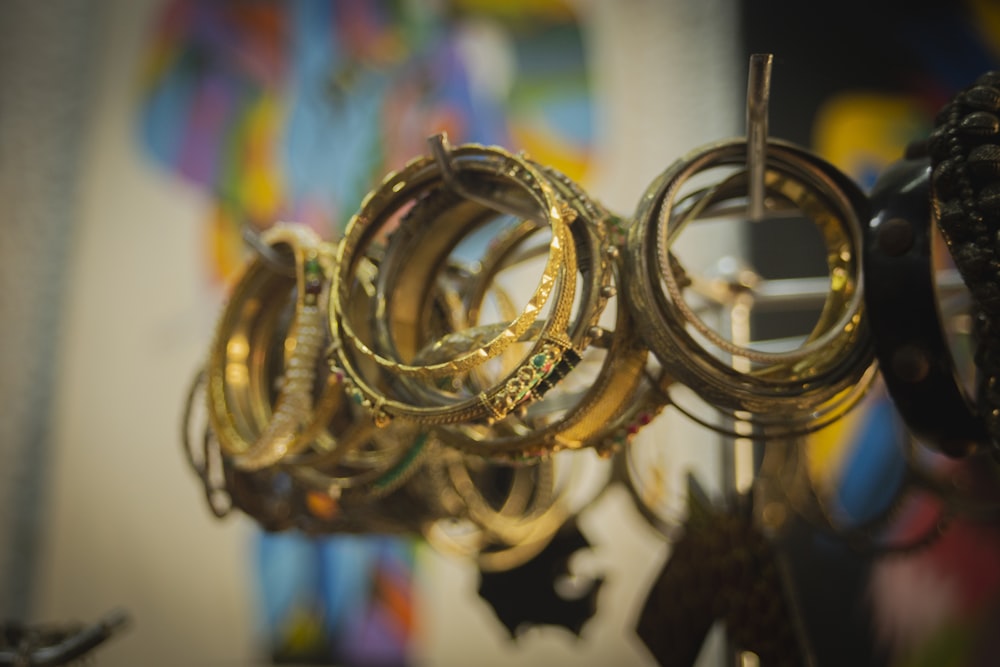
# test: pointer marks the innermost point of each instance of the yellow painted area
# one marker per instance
(261, 188)
(225, 243)
(986, 20)
(546, 148)
(517, 8)
(303, 632)
(826, 447)
(860, 132)
(161, 55)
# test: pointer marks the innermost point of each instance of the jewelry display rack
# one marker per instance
(732, 300)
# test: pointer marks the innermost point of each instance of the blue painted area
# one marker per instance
(873, 472)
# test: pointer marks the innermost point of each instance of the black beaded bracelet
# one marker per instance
(964, 152)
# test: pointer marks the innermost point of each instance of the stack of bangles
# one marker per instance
(404, 379)
(788, 392)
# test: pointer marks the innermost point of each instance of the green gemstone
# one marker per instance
(539, 360)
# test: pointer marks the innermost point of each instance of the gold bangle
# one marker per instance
(782, 387)
(352, 479)
(504, 534)
(332, 454)
(422, 294)
(417, 177)
(201, 450)
(609, 411)
(505, 174)
(249, 429)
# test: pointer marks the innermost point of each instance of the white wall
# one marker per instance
(127, 525)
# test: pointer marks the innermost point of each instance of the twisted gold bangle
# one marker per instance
(595, 257)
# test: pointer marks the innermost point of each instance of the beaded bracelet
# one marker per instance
(964, 151)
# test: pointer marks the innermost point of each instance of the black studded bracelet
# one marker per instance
(901, 304)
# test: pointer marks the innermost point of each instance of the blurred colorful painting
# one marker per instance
(342, 601)
(292, 111)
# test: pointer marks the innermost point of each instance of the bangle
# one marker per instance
(507, 176)
(426, 285)
(397, 190)
(366, 467)
(605, 415)
(201, 450)
(902, 307)
(502, 525)
(779, 387)
(558, 419)
(250, 341)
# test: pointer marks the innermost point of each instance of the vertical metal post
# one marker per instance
(739, 458)
(739, 462)
(758, 98)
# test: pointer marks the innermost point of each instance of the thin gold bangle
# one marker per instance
(422, 294)
(503, 537)
(605, 415)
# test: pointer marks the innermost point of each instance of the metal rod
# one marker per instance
(283, 264)
(813, 291)
(758, 95)
(441, 152)
(744, 465)
(739, 460)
